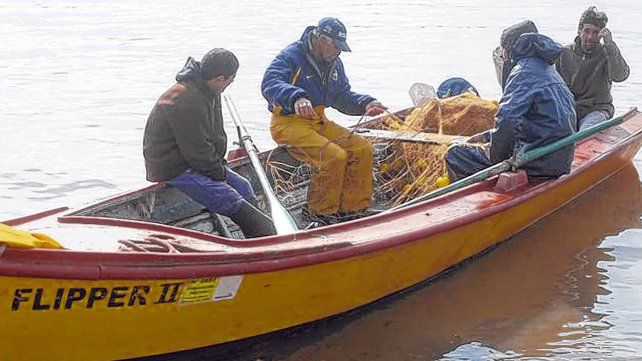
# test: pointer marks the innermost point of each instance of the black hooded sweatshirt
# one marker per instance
(185, 130)
(589, 75)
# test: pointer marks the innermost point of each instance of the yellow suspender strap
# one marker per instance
(295, 78)
(297, 74)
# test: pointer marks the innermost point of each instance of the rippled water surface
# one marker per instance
(78, 78)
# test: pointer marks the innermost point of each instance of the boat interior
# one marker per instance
(405, 167)
(169, 206)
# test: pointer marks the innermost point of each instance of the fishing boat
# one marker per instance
(152, 272)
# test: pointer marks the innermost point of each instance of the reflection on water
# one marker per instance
(540, 294)
(621, 306)
(477, 351)
(556, 290)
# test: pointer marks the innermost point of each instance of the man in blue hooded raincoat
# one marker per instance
(305, 78)
(536, 109)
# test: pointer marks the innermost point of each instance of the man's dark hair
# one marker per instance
(593, 17)
(218, 62)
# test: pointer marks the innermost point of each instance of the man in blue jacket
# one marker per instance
(304, 79)
(536, 109)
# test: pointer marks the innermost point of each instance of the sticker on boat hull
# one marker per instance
(227, 287)
(210, 289)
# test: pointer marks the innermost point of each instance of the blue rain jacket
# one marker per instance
(294, 74)
(536, 108)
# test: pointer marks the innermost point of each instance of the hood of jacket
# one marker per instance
(303, 42)
(191, 72)
(536, 45)
(306, 35)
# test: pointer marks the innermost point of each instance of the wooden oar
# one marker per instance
(518, 160)
(432, 138)
(282, 219)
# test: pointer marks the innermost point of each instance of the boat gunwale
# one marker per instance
(34, 217)
(46, 263)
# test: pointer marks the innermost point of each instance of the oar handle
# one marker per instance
(282, 219)
(521, 159)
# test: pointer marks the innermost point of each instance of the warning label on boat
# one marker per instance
(199, 290)
(210, 289)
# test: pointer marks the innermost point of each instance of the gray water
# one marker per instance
(78, 78)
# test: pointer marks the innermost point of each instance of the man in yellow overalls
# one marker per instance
(304, 79)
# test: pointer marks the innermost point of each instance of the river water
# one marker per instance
(78, 78)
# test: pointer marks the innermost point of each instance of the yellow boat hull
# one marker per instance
(85, 319)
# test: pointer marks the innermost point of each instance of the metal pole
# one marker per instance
(282, 219)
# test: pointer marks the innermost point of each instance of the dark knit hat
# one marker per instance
(513, 32)
(217, 62)
(594, 17)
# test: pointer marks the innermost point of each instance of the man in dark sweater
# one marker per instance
(185, 143)
(589, 67)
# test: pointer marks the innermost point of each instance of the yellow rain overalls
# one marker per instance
(341, 177)
(17, 238)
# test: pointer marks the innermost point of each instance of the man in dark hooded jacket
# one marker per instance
(536, 109)
(589, 68)
(185, 143)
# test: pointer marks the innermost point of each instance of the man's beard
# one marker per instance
(588, 47)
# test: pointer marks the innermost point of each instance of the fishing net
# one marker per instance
(403, 170)
(410, 169)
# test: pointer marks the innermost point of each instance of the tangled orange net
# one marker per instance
(404, 170)
(412, 169)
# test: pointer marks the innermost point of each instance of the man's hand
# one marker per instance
(477, 138)
(375, 108)
(605, 34)
(304, 108)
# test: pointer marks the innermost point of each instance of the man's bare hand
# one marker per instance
(606, 35)
(304, 108)
(375, 108)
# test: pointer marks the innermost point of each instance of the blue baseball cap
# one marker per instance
(334, 29)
